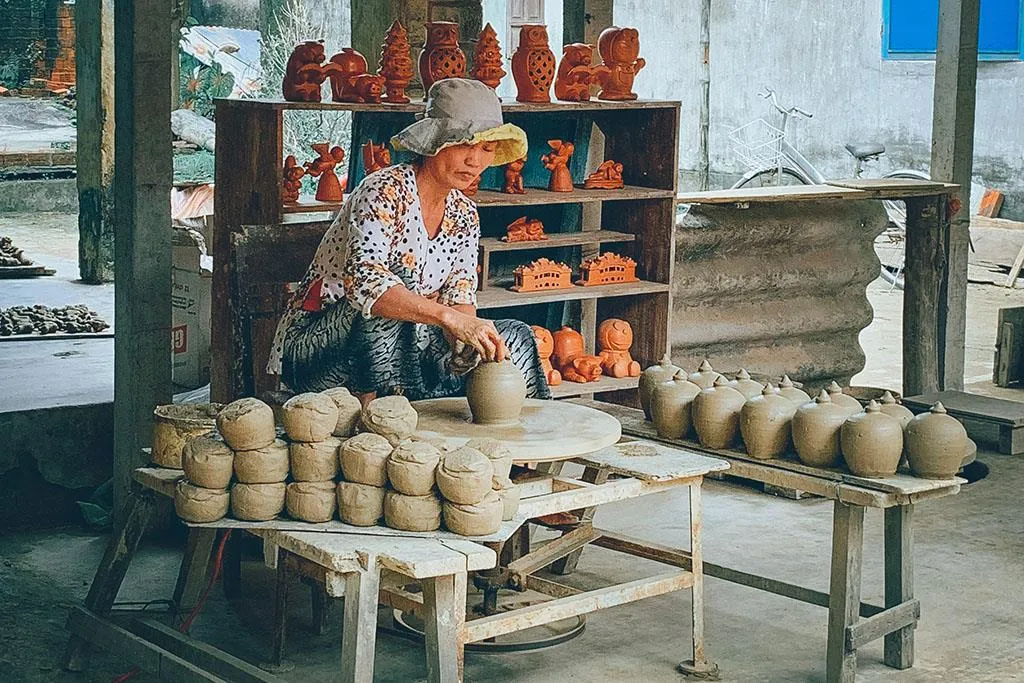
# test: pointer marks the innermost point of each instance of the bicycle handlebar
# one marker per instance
(769, 94)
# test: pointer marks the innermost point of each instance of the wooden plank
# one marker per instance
(552, 588)
(512, 107)
(25, 271)
(899, 581)
(194, 563)
(960, 404)
(883, 623)
(558, 239)
(550, 552)
(501, 298)
(999, 223)
(652, 462)
(1018, 262)
(923, 279)
(536, 196)
(310, 205)
(844, 590)
(1006, 367)
(619, 489)
(771, 194)
(603, 384)
(444, 615)
(922, 187)
(162, 480)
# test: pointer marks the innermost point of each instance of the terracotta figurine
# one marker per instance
(304, 73)
(441, 56)
(570, 357)
(607, 269)
(533, 64)
(541, 275)
(487, 58)
(607, 176)
(396, 64)
(375, 157)
(558, 163)
(545, 347)
(614, 337)
(514, 177)
(292, 182)
(620, 49)
(329, 188)
(575, 73)
(350, 81)
(524, 229)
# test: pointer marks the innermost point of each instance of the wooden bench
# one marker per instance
(1007, 415)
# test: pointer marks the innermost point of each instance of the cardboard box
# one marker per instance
(191, 282)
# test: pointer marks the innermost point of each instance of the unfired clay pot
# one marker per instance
(765, 424)
(309, 417)
(393, 417)
(257, 502)
(835, 392)
(247, 424)
(671, 406)
(412, 467)
(797, 396)
(716, 414)
(746, 386)
(651, 377)
(314, 460)
(497, 452)
(198, 505)
(816, 427)
(496, 393)
(175, 424)
(936, 444)
(364, 459)
(311, 501)
(705, 376)
(412, 513)
(890, 407)
(265, 465)
(349, 410)
(474, 520)
(464, 476)
(872, 442)
(207, 461)
(359, 504)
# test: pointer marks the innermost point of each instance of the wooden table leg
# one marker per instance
(700, 665)
(280, 607)
(844, 590)
(567, 565)
(444, 617)
(194, 565)
(359, 630)
(899, 581)
(110, 574)
(231, 573)
(320, 604)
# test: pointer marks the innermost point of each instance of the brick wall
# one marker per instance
(37, 40)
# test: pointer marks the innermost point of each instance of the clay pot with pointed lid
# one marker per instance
(496, 393)
(789, 390)
(671, 405)
(705, 376)
(716, 414)
(872, 442)
(835, 392)
(816, 428)
(892, 408)
(652, 376)
(936, 444)
(746, 386)
(765, 423)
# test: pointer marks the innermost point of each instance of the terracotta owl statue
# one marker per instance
(575, 73)
(441, 56)
(620, 49)
(533, 64)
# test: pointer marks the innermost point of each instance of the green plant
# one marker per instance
(201, 83)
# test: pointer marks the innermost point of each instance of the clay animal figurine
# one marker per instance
(375, 157)
(533, 64)
(557, 161)
(441, 56)
(575, 73)
(329, 188)
(396, 64)
(571, 360)
(545, 347)
(607, 176)
(367, 88)
(343, 69)
(487, 58)
(514, 177)
(304, 73)
(614, 337)
(292, 180)
(607, 269)
(541, 275)
(524, 229)
(620, 50)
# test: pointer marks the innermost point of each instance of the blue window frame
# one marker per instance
(910, 29)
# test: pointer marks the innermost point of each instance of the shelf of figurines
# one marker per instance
(507, 106)
(571, 371)
(495, 297)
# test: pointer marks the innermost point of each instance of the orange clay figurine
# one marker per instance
(545, 347)
(329, 188)
(514, 177)
(570, 357)
(614, 337)
(558, 163)
(524, 229)
(292, 180)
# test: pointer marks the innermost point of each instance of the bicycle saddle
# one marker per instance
(865, 149)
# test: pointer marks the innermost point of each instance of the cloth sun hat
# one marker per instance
(461, 111)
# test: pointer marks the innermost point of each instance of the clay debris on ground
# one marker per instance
(11, 255)
(41, 319)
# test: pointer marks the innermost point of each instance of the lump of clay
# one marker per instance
(359, 504)
(311, 501)
(247, 424)
(314, 460)
(464, 476)
(349, 410)
(393, 417)
(497, 452)
(267, 465)
(175, 424)
(510, 495)
(309, 417)
(412, 513)
(475, 520)
(198, 505)
(412, 467)
(257, 502)
(364, 459)
(207, 461)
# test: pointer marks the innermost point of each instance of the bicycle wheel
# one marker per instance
(890, 246)
(769, 177)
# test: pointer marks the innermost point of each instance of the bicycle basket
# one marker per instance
(758, 144)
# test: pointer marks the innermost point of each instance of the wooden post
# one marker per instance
(583, 20)
(956, 70)
(924, 275)
(94, 74)
(844, 590)
(899, 581)
(142, 250)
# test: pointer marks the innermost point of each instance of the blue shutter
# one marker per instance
(911, 27)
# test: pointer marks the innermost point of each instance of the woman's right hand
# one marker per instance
(478, 333)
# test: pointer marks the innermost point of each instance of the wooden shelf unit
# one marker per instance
(555, 240)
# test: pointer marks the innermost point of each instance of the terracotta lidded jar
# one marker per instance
(496, 393)
(441, 56)
(716, 414)
(790, 391)
(671, 403)
(892, 408)
(936, 444)
(651, 377)
(746, 386)
(872, 442)
(533, 64)
(816, 428)
(705, 376)
(835, 392)
(765, 424)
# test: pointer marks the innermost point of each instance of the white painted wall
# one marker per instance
(496, 13)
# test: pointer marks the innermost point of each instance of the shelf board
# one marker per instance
(558, 239)
(536, 195)
(310, 205)
(499, 297)
(417, 106)
(569, 389)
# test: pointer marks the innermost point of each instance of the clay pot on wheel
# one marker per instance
(651, 377)
(705, 376)
(816, 428)
(671, 403)
(936, 444)
(765, 424)
(716, 414)
(496, 393)
(872, 442)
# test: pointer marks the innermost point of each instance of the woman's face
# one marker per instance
(459, 166)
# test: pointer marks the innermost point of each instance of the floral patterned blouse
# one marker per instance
(379, 235)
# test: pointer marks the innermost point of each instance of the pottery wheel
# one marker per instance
(547, 430)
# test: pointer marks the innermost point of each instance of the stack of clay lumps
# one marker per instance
(310, 421)
(465, 478)
(260, 462)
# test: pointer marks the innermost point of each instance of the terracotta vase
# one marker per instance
(671, 403)
(651, 377)
(787, 389)
(496, 393)
(936, 444)
(441, 56)
(705, 376)
(746, 386)
(872, 442)
(533, 64)
(890, 407)
(835, 392)
(765, 424)
(716, 414)
(816, 429)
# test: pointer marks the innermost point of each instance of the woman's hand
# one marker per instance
(477, 332)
